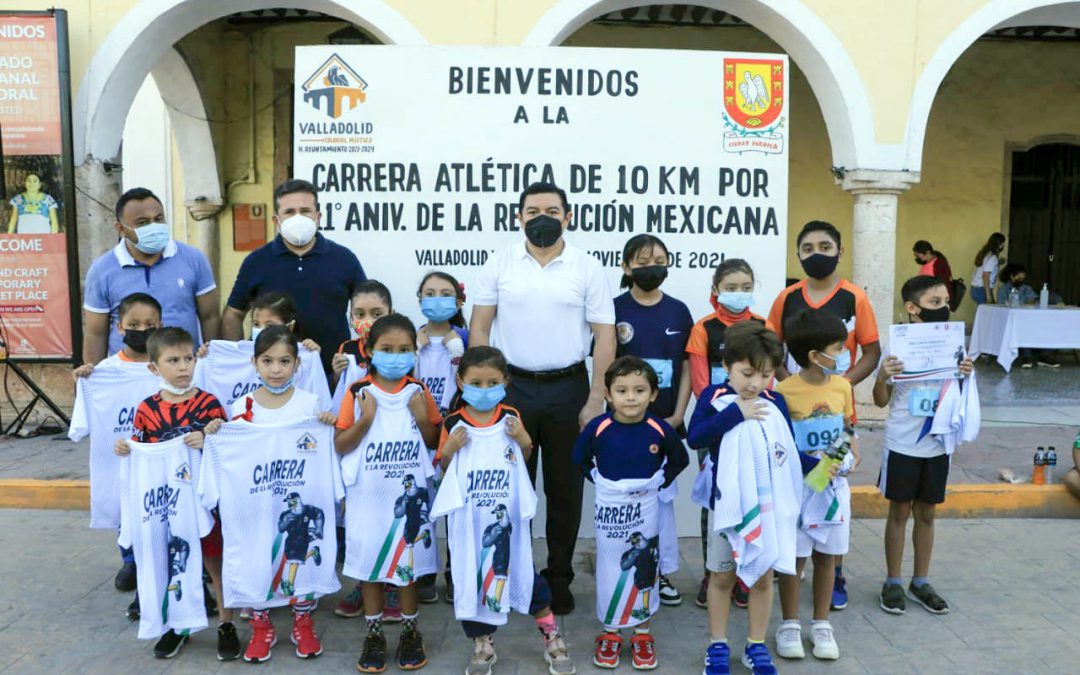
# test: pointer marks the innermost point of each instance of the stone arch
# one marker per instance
(817, 51)
(146, 33)
(996, 14)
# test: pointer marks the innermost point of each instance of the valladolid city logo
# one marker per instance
(334, 88)
(753, 100)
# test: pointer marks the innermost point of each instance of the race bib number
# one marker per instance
(664, 371)
(923, 401)
(718, 375)
(817, 433)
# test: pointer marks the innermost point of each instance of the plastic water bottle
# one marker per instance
(1038, 472)
(1044, 297)
(819, 477)
(1051, 462)
(1014, 297)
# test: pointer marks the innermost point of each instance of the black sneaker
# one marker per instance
(373, 657)
(126, 578)
(702, 599)
(133, 611)
(228, 642)
(892, 599)
(425, 587)
(928, 598)
(169, 645)
(669, 595)
(410, 651)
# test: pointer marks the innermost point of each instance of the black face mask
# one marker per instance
(819, 265)
(543, 231)
(136, 339)
(650, 277)
(939, 315)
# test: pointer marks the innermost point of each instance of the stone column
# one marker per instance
(873, 247)
(97, 191)
(204, 235)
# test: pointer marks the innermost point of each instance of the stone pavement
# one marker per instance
(60, 613)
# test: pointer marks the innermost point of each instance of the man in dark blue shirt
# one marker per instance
(317, 273)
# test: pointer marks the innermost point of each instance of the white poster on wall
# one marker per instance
(420, 154)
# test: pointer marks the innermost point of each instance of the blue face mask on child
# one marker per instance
(393, 366)
(277, 390)
(736, 301)
(483, 398)
(842, 363)
(439, 308)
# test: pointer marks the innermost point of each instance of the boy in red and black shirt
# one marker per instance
(180, 409)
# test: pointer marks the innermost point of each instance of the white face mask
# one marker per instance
(175, 391)
(298, 230)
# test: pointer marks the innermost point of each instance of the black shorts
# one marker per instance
(907, 479)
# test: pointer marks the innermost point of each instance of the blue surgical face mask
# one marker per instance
(483, 398)
(842, 363)
(255, 330)
(439, 308)
(736, 301)
(153, 237)
(277, 390)
(393, 366)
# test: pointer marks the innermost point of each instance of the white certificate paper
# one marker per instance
(929, 351)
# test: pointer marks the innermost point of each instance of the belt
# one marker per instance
(549, 375)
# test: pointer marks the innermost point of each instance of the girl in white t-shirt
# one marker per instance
(443, 339)
(276, 360)
(987, 261)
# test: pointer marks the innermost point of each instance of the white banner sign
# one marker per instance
(420, 154)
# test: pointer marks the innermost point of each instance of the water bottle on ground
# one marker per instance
(1051, 463)
(1014, 297)
(1038, 471)
(1044, 297)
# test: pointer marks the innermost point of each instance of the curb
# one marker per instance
(976, 500)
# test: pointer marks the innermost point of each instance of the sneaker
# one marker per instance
(133, 611)
(391, 612)
(425, 588)
(643, 651)
(757, 658)
(839, 593)
(263, 638)
(669, 595)
(608, 646)
(449, 590)
(304, 637)
(246, 613)
(557, 655)
(892, 599)
(169, 645)
(373, 656)
(740, 594)
(126, 578)
(1048, 364)
(1027, 364)
(483, 658)
(702, 599)
(717, 659)
(928, 598)
(821, 635)
(789, 640)
(410, 651)
(352, 606)
(228, 642)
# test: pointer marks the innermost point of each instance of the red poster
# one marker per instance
(35, 317)
(29, 86)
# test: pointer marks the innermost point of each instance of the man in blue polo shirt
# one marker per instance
(318, 274)
(147, 260)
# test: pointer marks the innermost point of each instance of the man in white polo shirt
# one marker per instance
(549, 302)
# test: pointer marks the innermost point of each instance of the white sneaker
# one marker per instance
(789, 640)
(825, 647)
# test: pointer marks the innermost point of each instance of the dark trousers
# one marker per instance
(541, 598)
(550, 412)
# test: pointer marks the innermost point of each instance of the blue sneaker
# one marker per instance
(758, 659)
(717, 659)
(839, 592)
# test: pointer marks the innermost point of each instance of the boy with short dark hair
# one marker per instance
(755, 489)
(915, 466)
(181, 409)
(822, 408)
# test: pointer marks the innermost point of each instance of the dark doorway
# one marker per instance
(1044, 217)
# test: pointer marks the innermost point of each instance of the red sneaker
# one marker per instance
(304, 637)
(263, 638)
(643, 651)
(352, 606)
(391, 612)
(608, 646)
(740, 594)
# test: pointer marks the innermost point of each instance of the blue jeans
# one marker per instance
(978, 294)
